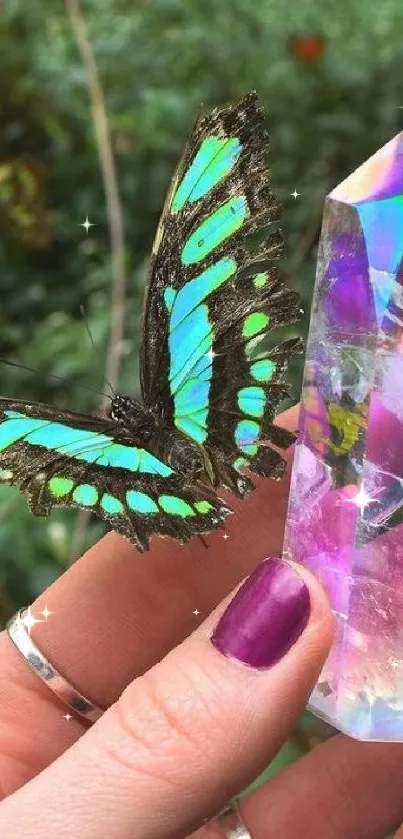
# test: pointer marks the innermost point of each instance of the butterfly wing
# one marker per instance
(211, 295)
(62, 458)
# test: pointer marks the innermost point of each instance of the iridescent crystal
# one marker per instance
(346, 501)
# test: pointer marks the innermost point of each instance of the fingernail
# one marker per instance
(266, 617)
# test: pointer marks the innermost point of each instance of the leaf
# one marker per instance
(23, 211)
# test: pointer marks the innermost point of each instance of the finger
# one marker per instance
(343, 789)
(117, 611)
(193, 730)
(154, 596)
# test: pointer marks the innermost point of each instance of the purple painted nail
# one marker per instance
(265, 618)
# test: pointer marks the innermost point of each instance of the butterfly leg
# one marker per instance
(134, 531)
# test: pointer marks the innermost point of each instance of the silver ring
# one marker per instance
(44, 669)
(232, 824)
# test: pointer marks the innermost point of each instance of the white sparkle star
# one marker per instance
(29, 620)
(226, 536)
(295, 194)
(196, 612)
(211, 355)
(362, 499)
(67, 717)
(87, 224)
(46, 612)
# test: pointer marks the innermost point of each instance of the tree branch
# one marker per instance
(114, 214)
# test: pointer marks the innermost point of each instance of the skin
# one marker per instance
(187, 727)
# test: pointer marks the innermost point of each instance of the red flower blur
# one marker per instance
(307, 48)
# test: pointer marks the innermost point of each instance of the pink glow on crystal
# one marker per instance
(345, 516)
(380, 177)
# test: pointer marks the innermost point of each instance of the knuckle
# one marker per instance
(165, 730)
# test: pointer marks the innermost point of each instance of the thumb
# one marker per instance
(195, 729)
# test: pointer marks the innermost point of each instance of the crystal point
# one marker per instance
(345, 515)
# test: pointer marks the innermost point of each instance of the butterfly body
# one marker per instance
(141, 425)
(133, 417)
(209, 390)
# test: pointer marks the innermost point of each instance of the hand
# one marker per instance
(196, 725)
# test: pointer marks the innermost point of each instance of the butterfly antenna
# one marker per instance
(89, 333)
(51, 376)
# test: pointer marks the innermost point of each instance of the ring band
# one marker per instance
(232, 824)
(40, 665)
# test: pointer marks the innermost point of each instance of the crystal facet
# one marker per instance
(346, 501)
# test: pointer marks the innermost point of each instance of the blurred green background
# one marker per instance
(330, 77)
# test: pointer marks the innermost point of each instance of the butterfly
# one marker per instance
(208, 392)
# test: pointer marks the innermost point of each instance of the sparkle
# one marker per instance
(67, 717)
(29, 620)
(87, 224)
(196, 612)
(226, 536)
(295, 194)
(210, 355)
(46, 612)
(362, 499)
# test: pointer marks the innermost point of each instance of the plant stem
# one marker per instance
(114, 217)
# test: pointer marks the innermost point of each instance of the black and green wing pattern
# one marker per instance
(212, 298)
(65, 458)
(215, 293)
